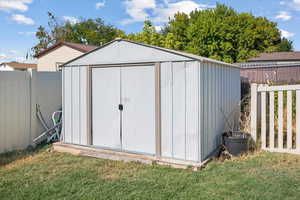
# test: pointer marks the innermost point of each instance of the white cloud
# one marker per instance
(140, 10)
(13, 51)
(166, 11)
(3, 56)
(15, 55)
(158, 28)
(282, 3)
(296, 4)
(137, 10)
(72, 20)
(20, 59)
(283, 15)
(286, 34)
(29, 33)
(20, 5)
(293, 4)
(100, 4)
(21, 19)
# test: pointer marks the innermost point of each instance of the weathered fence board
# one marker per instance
(298, 120)
(280, 120)
(271, 113)
(289, 119)
(263, 120)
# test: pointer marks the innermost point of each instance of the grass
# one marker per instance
(41, 174)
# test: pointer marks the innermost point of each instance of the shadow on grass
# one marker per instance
(11, 156)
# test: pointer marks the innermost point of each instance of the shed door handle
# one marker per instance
(120, 107)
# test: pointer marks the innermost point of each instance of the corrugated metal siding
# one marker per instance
(75, 105)
(220, 92)
(179, 110)
(192, 97)
(192, 111)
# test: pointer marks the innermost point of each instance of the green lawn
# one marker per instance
(49, 175)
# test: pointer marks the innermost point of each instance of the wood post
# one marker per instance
(271, 112)
(263, 120)
(289, 119)
(280, 119)
(254, 111)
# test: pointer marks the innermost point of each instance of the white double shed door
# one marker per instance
(123, 108)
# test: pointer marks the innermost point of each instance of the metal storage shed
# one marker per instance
(142, 99)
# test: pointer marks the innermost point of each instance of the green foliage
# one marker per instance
(86, 31)
(285, 45)
(223, 34)
(148, 35)
(176, 33)
(220, 33)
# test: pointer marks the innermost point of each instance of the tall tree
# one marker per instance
(176, 32)
(148, 36)
(285, 45)
(86, 31)
(223, 34)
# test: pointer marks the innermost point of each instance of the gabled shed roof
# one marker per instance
(183, 55)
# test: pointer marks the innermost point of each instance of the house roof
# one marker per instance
(77, 46)
(187, 55)
(277, 56)
(17, 65)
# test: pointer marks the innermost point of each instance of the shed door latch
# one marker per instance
(120, 107)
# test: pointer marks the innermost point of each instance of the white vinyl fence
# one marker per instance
(20, 93)
(275, 117)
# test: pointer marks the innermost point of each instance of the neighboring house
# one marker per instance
(12, 66)
(277, 67)
(51, 58)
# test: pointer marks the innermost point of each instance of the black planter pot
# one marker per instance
(236, 142)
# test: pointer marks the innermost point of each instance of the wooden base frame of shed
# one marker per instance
(90, 151)
(143, 102)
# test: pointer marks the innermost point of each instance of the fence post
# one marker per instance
(254, 111)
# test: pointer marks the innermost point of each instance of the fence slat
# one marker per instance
(289, 120)
(271, 114)
(263, 120)
(280, 120)
(298, 120)
(253, 111)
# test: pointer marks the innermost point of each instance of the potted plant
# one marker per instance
(235, 140)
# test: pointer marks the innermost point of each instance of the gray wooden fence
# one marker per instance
(20, 93)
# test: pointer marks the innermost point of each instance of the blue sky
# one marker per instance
(19, 19)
